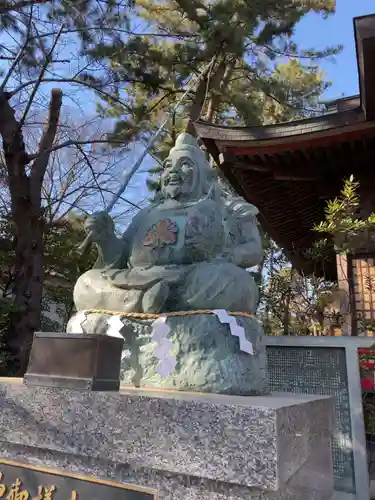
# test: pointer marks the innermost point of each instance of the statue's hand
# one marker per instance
(98, 224)
(98, 227)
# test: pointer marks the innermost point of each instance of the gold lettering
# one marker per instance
(3, 488)
(45, 493)
(15, 493)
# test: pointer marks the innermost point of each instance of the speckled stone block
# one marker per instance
(189, 446)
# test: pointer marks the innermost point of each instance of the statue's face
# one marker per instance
(177, 179)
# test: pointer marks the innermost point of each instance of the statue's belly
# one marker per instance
(176, 239)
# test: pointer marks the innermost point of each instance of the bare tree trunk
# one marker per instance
(215, 88)
(220, 83)
(287, 304)
(28, 226)
(270, 277)
(27, 272)
(197, 105)
(211, 84)
(286, 314)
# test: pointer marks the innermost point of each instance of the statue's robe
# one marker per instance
(196, 251)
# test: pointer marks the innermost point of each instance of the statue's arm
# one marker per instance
(128, 235)
(127, 238)
(249, 251)
(112, 255)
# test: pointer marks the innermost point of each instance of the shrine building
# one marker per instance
(291, 170)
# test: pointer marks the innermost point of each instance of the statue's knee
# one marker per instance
(155, 298)
(226, 287)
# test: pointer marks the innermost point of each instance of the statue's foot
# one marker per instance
(154, 299)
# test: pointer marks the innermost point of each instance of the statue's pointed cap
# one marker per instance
(184, 140)
(187, 143)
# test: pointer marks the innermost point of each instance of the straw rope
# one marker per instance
(170, 314)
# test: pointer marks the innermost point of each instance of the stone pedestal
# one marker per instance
(187, 446)
(208, 356)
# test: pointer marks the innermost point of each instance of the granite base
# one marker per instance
(190, 446)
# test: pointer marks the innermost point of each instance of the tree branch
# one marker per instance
(20, 52)
(39, 166)
(72, 142)
(74, 81)
(11, 134)
(82, 151)
(40, 77)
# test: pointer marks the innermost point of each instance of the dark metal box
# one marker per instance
(75, 361)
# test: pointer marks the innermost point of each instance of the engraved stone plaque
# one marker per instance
(319, 371)
(26, 482)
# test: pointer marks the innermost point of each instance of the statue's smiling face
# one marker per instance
(178, 176)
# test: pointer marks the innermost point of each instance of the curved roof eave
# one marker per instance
(329, 124)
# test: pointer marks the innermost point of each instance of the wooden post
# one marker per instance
(361, 272)
(344, 287)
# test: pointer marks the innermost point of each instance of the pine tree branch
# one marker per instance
(191, 9)
(18, 5)
(87, 29)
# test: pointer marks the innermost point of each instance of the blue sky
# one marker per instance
(313, 31)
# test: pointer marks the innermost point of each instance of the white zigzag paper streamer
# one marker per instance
(160, 331)
(77, 321)
(235, 329)
(115, 325)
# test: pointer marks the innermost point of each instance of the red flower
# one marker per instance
(162, 233)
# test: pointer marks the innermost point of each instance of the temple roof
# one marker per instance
(290, 170)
